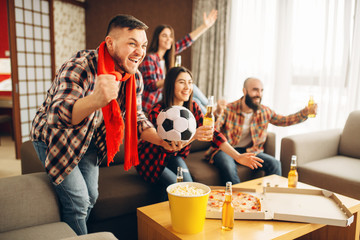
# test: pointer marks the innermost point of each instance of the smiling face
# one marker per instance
(166, 39)
(183, 88)
(253, 92)
(127, 48)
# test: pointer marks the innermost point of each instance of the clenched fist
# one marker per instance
(106, 89)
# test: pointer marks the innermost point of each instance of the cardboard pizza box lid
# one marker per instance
(307, 205)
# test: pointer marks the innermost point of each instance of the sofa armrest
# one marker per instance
(94, 236)
(308, 147)
(269, 146)
(26, 201)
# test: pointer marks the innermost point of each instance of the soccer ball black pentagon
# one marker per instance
(176, 123)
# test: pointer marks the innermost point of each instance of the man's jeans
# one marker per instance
(79, 190)
(228, 169)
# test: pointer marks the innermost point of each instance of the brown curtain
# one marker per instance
(208, 52)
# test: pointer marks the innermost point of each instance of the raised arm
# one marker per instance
(208, 22)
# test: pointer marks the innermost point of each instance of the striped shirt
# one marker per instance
(231, 122)
(67, 143)
(152, 72)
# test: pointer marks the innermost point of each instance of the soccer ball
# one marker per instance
(176, 123)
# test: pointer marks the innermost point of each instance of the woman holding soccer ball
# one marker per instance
(158, 165)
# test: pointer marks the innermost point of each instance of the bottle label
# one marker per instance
(208, 122)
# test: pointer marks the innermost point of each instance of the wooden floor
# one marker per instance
(9, 165)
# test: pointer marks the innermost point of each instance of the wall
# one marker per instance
(177, 13)
(69, 31)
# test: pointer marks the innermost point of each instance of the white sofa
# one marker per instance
(327, 159)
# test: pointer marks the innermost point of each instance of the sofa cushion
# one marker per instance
(201, 170)
(53, 231)
(350, 138)
(246, 174)
(121, 192)
(27, 200)
(197, 146)
(204, 172)
(341, 171)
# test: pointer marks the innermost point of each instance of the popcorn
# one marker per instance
(186, 190)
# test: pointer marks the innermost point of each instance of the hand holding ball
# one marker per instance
(176, 123)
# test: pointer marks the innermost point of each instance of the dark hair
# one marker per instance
(154, 45)
(125, 21)
(169, 87)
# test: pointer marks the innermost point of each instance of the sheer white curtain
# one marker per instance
(297, 48)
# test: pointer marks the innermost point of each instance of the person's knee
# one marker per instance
(224, 161)
(76, 206)
(93, 198)
(82, 206)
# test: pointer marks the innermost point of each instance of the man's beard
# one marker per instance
(249, 102)
(120, 65)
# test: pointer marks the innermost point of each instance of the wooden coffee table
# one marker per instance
(154, 222)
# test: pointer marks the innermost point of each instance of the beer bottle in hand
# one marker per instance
(178, 61)
(228, 209)
(209, 118)
(293, 174)
(310, 105)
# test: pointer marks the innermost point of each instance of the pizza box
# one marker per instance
(295, 205)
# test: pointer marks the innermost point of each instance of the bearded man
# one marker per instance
(244, 123)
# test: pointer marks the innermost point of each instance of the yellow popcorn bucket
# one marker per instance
(187, 209)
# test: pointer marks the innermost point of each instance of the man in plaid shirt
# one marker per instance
(68, 131)
(244, 124)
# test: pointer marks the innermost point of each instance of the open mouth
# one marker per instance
(134, 60)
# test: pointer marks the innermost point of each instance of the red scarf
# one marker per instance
(114, 123)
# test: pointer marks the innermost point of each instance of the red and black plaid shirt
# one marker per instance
(67, 143)
(152, 72)
(153, 158)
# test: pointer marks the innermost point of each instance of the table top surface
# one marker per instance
(159, 216)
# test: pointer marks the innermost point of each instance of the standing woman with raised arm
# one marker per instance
(161, 57)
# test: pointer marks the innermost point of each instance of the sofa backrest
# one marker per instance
(118, 158)
(27, 200)
(30, 161)
(350, 137)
